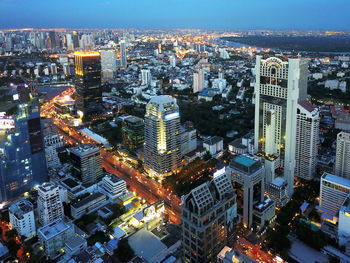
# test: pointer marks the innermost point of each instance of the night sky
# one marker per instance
(213, 14)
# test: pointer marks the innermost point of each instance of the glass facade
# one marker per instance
(87, 82)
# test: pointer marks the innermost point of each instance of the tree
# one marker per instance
(13, 247)
(124, 250)
(11, 233)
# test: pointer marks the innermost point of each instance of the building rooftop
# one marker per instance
(133, 119)
(46, 187)
(146, 245)
(113, 178)
(54, 228)
(84, 149)
(87, 200)
(164, 99)
(70, 183)
(244, 160)
(307, 105)
(20, 208)
(213, 140)
(75, 242)
(336, 179)
(246, 164)
(278, 181)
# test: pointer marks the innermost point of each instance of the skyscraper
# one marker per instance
(50, 207)
(247, 176)
(22, 159)
(75, 40)
(88, 83)
(162, 136)
(172, 61)
(342, 159)
(133, 133)
(123, 59)
(198, 80)
(208, 216)
(108, 60)
(146, 77)
(278, 87)
(308, 121)
(86, 163)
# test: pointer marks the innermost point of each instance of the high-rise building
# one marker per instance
(22, 218)
(133, 133)
(123, 59)
(88, 82)
(344, 222)
(52, 35)
(75, 40)
(342, 159)
(308, 122)
(198, 80)
(22, 155)
(279, 86)
(50, 207)
(108, 62)
(52, 141)
(86, 163)
(208, 217)
(146, 77)
(333, 192)
(70, 44)
(247, 176)
(54, 236)
(162, 147)
(172, 61)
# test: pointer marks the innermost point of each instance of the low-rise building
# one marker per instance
(113, 186)
(229, 255)
(214, 145)
(54, 236)
(87, 205)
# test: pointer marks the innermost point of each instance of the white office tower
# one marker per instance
(22, 218)
(278, 87)
(50, 207)
(146, 77)
(308, 122)
(172, 61)
(162, 136)
(223, 53)
(342, 159)
(123, 61)
(108, 63)
(70, 45)
(198, 80)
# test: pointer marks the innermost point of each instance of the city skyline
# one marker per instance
(180, 14)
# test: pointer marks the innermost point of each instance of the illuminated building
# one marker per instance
(87, 83)
(87, 205)
(279, 86)
(50, 207)
(22, 218)
(208, 218)
(229, 255)
(123, 59)
(342, 160)
(133, 132)
(86, 163)
(52, 35)
(113, 186)
(333, 192)
(75, 40)
(308, 121)
(22, 156)
(344, 222)
(162, 147)
(247, 177)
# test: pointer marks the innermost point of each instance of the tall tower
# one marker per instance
(342, 160)
(22, 159)
(86, 163)
(162, 136)
(87, 83)
(308, 122)
(278, 87)
(146, 77)
(123, 61)
(50, 207)
(198, 80)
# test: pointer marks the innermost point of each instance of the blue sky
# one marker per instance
(213, 14)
